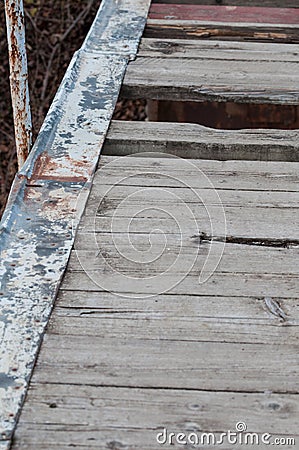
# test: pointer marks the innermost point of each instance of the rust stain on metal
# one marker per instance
(19, 78)
(45, 168)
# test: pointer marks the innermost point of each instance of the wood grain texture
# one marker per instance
(242, 222)
(205, 79)
(235, 175)
(252, 228)
(195, 141)
(221, 13)
(165, 317)
(239, 284)
(259, 204)
(131, 418)
(188, 29)
(131, 362)
(248, 191)
(115, 369)
(218, 50)
(256, 261)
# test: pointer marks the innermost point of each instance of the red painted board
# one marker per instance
(238, 14)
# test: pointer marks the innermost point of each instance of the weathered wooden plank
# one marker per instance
(128, 438)
(222, 13)
(259, 259)
(155, 262)
(212, 80)
(227, 50)
(187, 29)
(259, 203)
(131, 418)
(253, 230)
(234, 175)
(168, 364)
(184, 318)
(268, 3)
(49, 194)
(194, 141)
(245, 189)
(188, 306)
(239, 284)
(242, 222)
(229, 198)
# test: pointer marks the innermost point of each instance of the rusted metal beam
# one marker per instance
(15, 24)
(49, 194)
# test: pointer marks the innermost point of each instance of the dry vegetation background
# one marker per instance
(54, 31)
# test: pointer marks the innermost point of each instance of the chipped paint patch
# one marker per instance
(43, 211)
(4, 445)
(119, 31)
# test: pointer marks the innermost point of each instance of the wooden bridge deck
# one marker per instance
(178, 309)
(116, 367)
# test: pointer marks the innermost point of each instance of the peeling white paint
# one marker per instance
(4, 445)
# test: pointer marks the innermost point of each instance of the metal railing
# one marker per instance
(15, 24)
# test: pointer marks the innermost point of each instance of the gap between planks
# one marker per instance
(194, 141)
